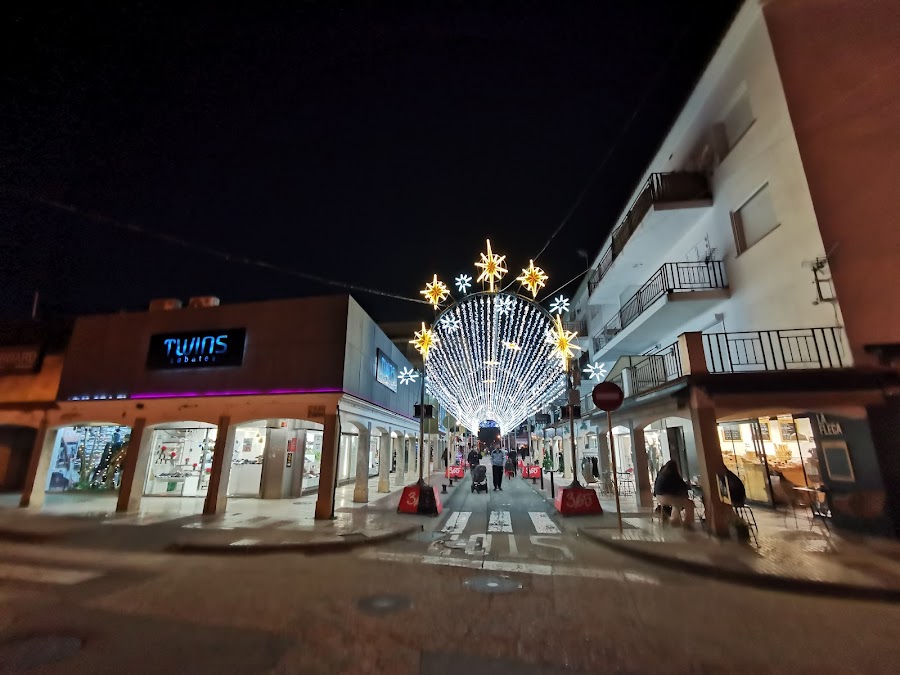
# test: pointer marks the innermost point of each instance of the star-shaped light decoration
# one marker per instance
(424, 341)
(512, 346)
(533, 278)
(463, 282)
(451, 323)
(435, 292)
(492, 268)
(559, 305)
(408, 375)
(595, 371)
(563, 342)
(505, 304)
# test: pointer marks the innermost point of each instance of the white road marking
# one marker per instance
(244, 542)
(513, 547)
(500, 522)
(479, 544)
(564, 551)
(542, 523)
(456, 523)
(45, 575)
(521, 568)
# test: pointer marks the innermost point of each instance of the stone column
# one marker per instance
(403, 462)
(361, 483)
(135, 467)
(331, 443)
(217, 494)
(385, 458)
(709, 456)
(641, 468)
(35, 486)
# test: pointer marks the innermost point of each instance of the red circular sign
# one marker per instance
(607, 396)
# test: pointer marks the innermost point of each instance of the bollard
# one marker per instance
(443, 488)
(552, 488)
(542, 479)
(451, 482)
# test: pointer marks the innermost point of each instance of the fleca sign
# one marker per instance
(197, 349)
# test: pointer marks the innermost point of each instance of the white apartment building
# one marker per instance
(711, 305)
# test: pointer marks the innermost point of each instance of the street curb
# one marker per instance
(767, 581)
(309, 547)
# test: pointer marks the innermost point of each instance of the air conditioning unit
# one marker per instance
(165, 304)
(203, 301)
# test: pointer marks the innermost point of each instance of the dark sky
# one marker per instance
(361, 142)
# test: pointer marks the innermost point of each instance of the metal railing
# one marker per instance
(576, 326)
(791, 349)
(670, 278)
(656, 369)
(660, 188)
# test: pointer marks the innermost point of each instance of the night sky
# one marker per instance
(360, 142)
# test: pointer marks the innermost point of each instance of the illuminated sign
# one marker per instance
(385, 371)
(20, 359)
(197, 349)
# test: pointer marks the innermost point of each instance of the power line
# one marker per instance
(624, 131)
(212, 252)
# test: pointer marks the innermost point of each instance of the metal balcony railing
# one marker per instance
(670, 278)
(792, 349)
(579, 327)
(656, 369)
(660, 188)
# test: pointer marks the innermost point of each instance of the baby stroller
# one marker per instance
(479, 478)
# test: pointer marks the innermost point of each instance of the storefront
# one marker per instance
(226, 401)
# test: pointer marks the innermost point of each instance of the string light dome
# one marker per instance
(494, 361)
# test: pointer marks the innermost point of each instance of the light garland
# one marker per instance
(496, 364)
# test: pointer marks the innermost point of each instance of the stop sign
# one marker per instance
(607, 396)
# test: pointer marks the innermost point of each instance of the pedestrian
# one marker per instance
(671, 490)
(474, 458)
(446, 457)
(498, 459)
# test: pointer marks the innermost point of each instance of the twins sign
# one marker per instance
(197, 349)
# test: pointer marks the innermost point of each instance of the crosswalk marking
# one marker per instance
(542, 523)
(500, 521)
(457, 522)
(45, 575)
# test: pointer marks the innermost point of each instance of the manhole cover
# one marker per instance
(492, 585)
(384, 604)
(25, 653)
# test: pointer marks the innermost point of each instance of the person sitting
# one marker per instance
(736, 491)
(671, 490)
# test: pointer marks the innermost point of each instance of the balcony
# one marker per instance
(723, 353)
(668, 202)
(673, 295)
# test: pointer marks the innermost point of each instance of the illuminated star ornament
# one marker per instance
(463, 282)
(533, 278)
(408, 375)
(513, 346)
(435, 292)
(450, 323)
(424, 341)
(563, 342)
(595, 371)
(492, 268)
(505, 304)
(559, 305)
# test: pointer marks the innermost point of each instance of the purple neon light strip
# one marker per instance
(249, 392)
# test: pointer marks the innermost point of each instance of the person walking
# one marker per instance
(498, 459)
(474, 459)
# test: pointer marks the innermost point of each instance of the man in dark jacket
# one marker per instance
(474, 458)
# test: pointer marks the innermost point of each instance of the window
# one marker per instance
(737, 120)
(754, 220)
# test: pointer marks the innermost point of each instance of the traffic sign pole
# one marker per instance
(609, 396)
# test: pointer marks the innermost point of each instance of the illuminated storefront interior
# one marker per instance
(88, 457)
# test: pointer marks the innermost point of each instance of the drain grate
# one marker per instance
(492, 585)
(25, 653)
(383, 604)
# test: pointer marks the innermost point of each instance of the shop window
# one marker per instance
(180, 462)
(312, 459)
(247, 461)
(88, 458)
(754, 219)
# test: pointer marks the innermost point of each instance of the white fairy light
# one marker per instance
(559, 305)
(505, 304)
(477, 375)
(408, 375)
(463, 282)
(595, 371)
